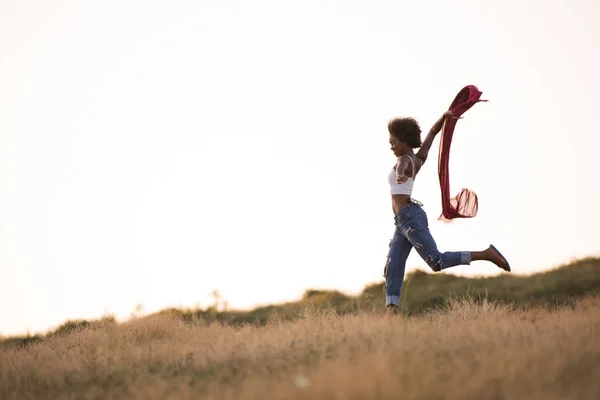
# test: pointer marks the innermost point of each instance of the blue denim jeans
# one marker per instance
(412, 230)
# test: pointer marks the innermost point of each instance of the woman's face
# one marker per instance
(396, 146)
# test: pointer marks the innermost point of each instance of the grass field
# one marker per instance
(464, 347)
(464, 351)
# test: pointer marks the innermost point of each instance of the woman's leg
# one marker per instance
(394, 268)
(416, 230)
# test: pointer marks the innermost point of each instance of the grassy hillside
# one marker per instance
(466, 350)
(422, 292)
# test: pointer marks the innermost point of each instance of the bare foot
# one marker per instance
(497, 258)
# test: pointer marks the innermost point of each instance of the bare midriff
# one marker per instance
(399, 201)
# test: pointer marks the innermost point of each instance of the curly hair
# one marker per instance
(407, 130)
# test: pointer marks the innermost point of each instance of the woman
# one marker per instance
(412, 228)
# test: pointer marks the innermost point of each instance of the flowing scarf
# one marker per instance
(465, 203)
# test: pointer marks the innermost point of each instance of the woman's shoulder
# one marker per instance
(416, 164)
(416, 161)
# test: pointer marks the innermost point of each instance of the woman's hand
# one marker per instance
(450, 114)
(401, 166)
(401, 178)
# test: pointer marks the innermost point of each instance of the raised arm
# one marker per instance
(435, 129)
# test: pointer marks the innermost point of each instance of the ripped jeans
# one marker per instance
(412, 230)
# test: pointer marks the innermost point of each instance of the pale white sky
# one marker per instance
(153, 151)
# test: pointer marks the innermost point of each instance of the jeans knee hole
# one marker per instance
(435, 267)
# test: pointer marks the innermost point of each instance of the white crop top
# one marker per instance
(401, 188)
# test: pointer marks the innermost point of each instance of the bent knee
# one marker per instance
(434, 262)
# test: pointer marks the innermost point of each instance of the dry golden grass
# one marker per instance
(467, 352)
